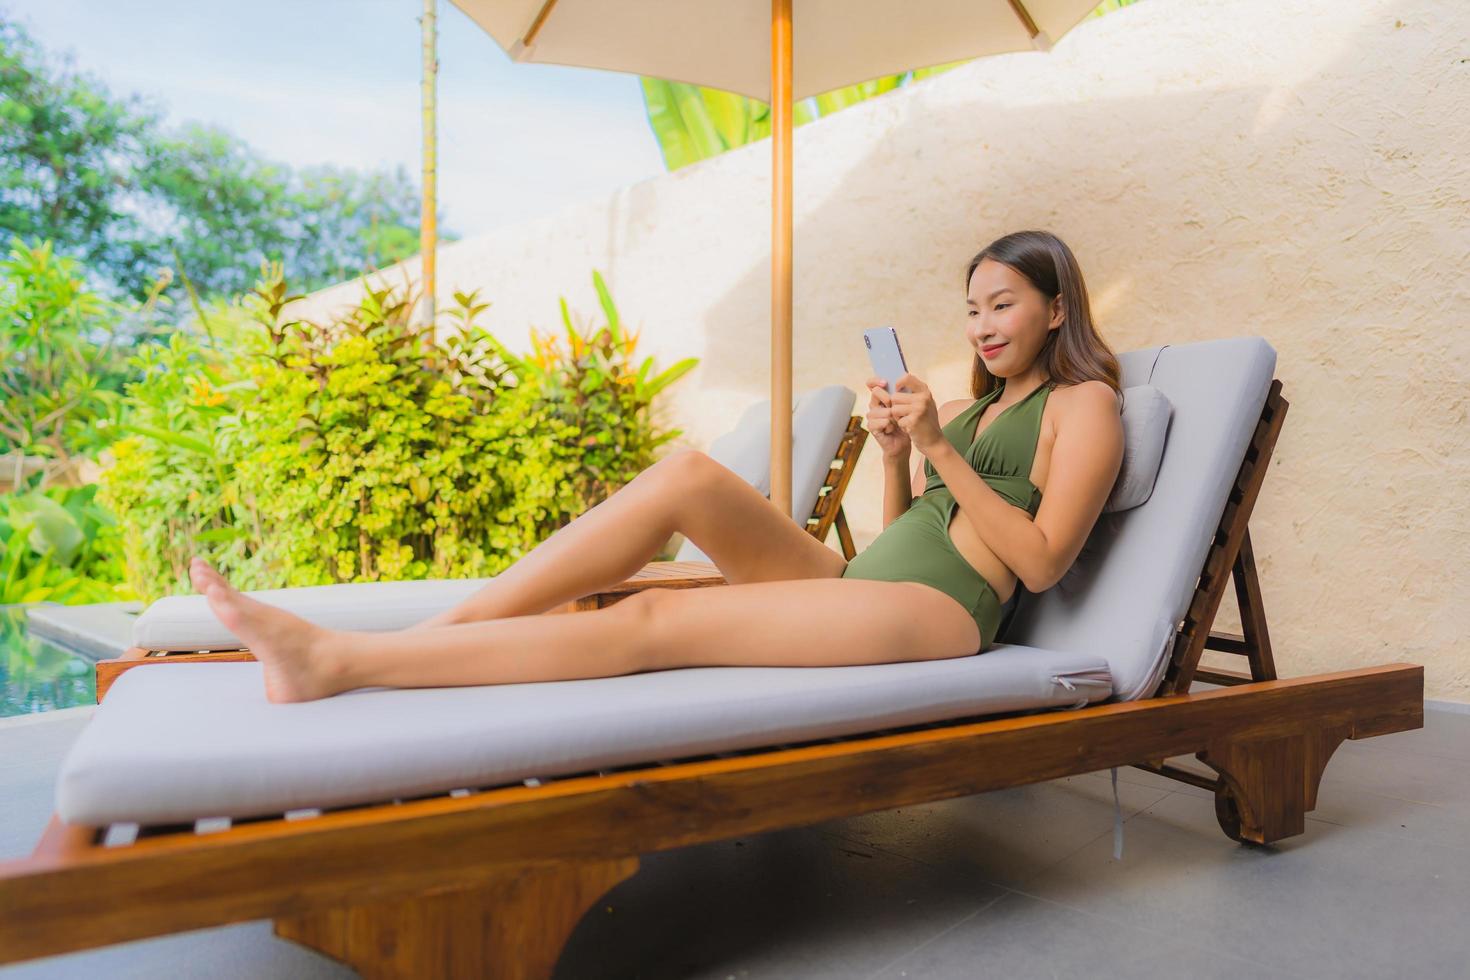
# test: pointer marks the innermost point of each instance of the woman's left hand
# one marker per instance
(916, 413)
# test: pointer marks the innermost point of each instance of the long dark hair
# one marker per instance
(1074, 352)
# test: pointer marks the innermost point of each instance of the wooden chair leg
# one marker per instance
(1267, 784)
(512, 927)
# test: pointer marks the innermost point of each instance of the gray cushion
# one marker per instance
(178, 743)
(185, 622)
(1126, 595)
(746, 449)
(818, 419)
(1145, 423)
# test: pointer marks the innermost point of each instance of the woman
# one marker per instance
(1043, 427)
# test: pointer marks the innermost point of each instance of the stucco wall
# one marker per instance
(1296, 170)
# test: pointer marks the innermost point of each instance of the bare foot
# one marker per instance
(297, 657)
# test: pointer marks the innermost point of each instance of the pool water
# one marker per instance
(38, 675)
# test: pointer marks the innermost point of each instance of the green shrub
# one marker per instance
(59, 545)
(172, 481)
(357, 450)
(58, 370)
(593, 388)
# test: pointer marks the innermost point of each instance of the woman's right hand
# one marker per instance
(891, 439)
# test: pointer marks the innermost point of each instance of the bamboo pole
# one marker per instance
(428, 228)
(781, 249)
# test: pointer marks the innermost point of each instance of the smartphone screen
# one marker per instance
(885, 354)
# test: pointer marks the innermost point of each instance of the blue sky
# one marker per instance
(337, 81)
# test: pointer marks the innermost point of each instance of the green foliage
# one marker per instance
(358, 450)
(171, 481)
(60, 373)
(369, 460)
(223, 209)
(59, 545)
(104, 179)
(66, 151)
(692, 122)
(592, 386)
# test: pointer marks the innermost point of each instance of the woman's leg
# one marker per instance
(811, 622)
(745, 535)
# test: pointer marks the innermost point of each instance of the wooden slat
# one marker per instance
(1189, 643)
(1227, 677)
(1226, 643)
(1257, 638)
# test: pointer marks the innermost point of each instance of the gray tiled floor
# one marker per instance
(1017, 884)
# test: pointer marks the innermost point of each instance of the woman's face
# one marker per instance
(1008, 318)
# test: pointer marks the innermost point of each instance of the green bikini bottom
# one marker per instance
(917, 548)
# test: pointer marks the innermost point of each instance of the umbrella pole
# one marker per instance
(428, 209)
(781, 240)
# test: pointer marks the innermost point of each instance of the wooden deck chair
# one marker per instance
(488, 879)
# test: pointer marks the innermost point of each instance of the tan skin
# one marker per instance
(786, 604)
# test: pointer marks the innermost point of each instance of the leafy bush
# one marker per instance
(59, 373)
(59, 545)
(172, 481)
(592, 387)
(357, 450)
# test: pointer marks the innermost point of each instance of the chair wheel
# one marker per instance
(1228, 813)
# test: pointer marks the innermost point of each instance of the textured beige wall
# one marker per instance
(1297, 171)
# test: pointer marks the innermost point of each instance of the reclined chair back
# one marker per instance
(1126, 596)
(819, 420)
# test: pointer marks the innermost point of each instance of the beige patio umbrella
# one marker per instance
(768, 51)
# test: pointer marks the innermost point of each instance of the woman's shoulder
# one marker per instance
(1091, 399)
(1089, 394)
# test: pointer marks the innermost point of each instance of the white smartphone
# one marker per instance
(886, 355)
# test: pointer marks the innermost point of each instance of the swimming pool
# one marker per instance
(39, 675)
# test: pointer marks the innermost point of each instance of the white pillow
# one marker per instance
(746, 449)
(1146, 415)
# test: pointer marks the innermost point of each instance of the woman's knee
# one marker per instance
(638, 618)
(684, 472)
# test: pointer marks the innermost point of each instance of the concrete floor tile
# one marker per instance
(1437, 780)
(1005, 837)
(793, 903)
(32, 754)
(1339, 902)
(1446, 734)
(248, 951)
(1020, 937)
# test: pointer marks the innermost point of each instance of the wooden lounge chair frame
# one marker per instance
(491, 881)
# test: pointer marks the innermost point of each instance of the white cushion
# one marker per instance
(1126, 595)
(818, 419)
(185, 622)
(177, 743)
(1145, 423)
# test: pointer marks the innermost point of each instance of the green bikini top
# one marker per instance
(1004, 452)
